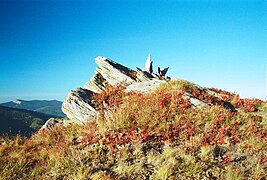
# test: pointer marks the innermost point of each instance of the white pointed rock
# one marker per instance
(148, 67)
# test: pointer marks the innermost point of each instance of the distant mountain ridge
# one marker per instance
(52, 107)
(20, 121)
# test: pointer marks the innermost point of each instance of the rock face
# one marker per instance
(111, 73)
(78, 105)
(144, 86)
(195, 102)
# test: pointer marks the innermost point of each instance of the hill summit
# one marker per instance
(137, 124)
(79, 104)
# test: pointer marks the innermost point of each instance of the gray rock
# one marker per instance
(114, 73)
(210, 92)
(78, 105)
(96, 84)
(195, 102)
(53, 122)
(110, 73)
(143, 75)
(145, 86)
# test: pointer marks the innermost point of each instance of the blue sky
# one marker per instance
(48, 47)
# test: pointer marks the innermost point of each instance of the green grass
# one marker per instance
(157, 135)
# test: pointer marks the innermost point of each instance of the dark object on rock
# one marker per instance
(218, 152)
(77, 140)
(163, 72)
(227, 105)
(149, 69)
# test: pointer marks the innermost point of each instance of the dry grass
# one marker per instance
(149, 136)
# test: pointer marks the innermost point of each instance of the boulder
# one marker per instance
(52, 122)
(195, 102)
(78, 105)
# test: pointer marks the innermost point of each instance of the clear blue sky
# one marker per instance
(48, 47)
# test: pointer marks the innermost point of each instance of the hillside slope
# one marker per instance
(137, 124)
(156, 135)
(18, 121)
(52, 107)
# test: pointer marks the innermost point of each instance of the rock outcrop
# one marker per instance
(195, 102)
(78, 105)
(52, 122)
(149, 65)
(144, 86)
